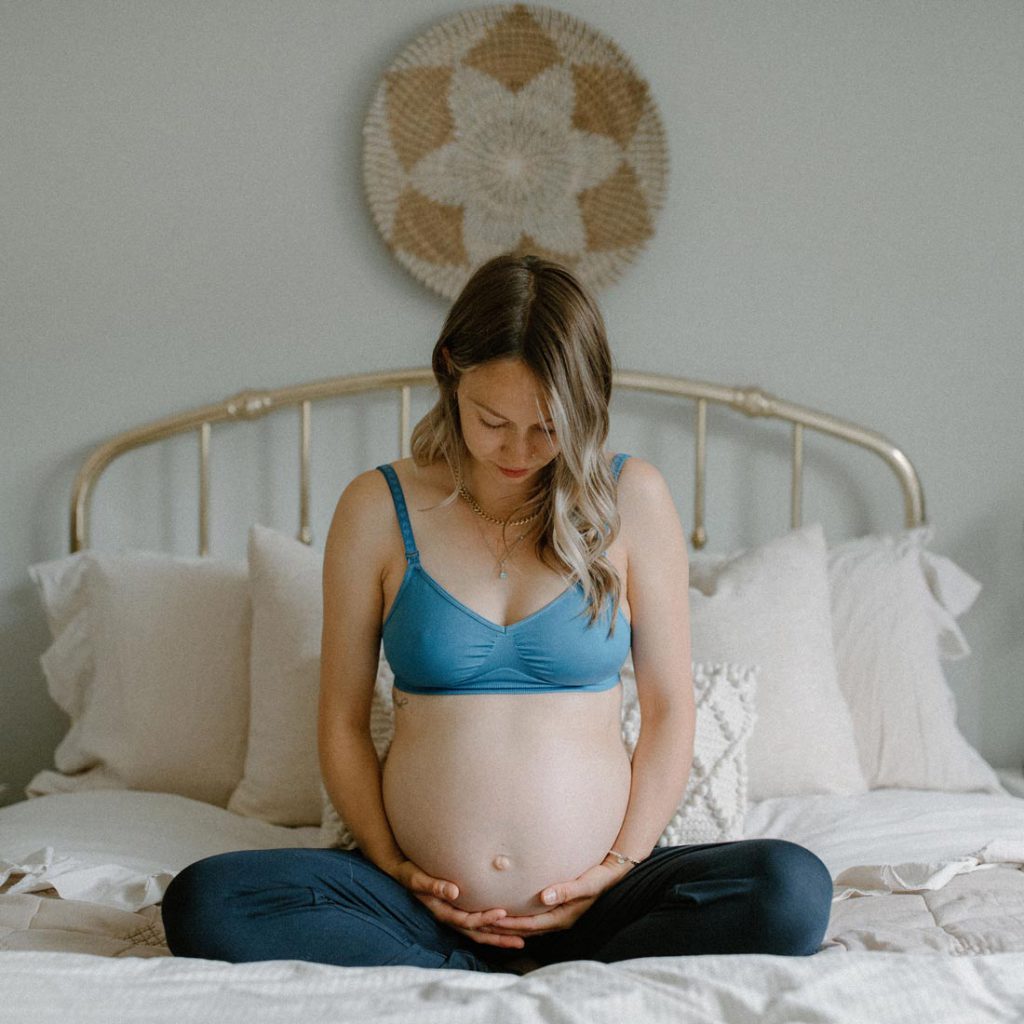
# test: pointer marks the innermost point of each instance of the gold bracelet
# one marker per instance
(621, 858)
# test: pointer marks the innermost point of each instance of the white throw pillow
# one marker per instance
(770, 607)
(714, 805)
(150, 660)
(894, 608)
(280, 783)
(715, 801)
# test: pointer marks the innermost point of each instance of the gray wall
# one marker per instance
(181, 214)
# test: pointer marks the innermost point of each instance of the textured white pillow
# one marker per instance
(150, 660)
(894, 608)
(715, 802)
(770, 607)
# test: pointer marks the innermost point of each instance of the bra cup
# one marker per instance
(430, 643)
(563, 650)
(434, 644)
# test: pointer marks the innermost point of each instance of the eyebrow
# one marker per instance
(494, 412)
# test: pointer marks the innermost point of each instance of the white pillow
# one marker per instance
(281, 781)
(715, 801)
(894, 608)
(770, 606)
(150, 660)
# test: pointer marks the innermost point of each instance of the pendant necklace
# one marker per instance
(502, 573)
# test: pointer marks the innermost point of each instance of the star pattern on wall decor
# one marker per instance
(513, 128)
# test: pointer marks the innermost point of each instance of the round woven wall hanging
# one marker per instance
(513, 128)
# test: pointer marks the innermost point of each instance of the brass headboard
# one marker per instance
(252, 404)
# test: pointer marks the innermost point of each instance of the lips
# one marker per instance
(513, 472)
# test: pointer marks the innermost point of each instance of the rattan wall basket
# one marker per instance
(513, 128)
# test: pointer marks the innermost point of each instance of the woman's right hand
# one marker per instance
(436, 895)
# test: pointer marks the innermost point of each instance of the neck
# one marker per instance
(498, 498)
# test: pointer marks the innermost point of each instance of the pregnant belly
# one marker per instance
(506, 808)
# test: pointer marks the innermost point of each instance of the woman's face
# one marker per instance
(505, 420)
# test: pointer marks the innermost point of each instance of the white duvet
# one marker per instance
(917, 874)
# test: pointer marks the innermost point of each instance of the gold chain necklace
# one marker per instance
(485, 515)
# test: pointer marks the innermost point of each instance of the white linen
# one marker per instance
(150, 660)
(855, 988)
(770, 607)
(120, 848)
(891, 630)
(894, 606)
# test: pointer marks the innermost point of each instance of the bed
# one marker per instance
(824, 717)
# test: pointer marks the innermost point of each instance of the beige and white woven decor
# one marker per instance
(513, 128)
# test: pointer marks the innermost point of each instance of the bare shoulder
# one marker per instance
(362, 514)
(640, 483)
(364, 493)
(647, 510)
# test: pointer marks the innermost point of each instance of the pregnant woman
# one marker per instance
(510, 566)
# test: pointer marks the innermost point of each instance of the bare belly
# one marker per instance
(505, 794)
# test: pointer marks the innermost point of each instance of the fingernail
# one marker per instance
(550, 896)
(451, 892)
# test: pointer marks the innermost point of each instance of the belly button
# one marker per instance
(501, 862)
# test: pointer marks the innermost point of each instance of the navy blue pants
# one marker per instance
(337, 907)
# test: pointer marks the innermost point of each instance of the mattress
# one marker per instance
(928, 912)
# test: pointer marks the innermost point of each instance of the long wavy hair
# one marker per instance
(534, 310)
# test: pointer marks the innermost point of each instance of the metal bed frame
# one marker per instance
(254, 404)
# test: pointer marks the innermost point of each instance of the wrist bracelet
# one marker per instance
(621, 858)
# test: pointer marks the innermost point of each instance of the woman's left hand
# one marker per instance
(571, 900)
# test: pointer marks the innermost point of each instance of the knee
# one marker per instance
(196, 901)
(794, 898)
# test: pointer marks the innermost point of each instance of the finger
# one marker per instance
(437, 887)
(482, 918)
(489, 939)
(450, 915)
(532, 923)
(552, 896)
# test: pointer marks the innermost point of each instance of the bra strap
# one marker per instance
(403, 513)
(617, 464)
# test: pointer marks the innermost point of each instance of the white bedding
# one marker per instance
(120, 848)
(942, 872)
(859, 988)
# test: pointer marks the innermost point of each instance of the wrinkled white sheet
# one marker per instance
(121, 848)
(897, 840)
(921, 857)
(856, 988)
(111, 885)
(873, 879)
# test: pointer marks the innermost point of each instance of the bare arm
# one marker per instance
(354, 558)
(658, 579)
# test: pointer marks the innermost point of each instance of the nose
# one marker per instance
(520, 449)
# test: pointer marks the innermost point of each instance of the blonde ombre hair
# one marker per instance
(534, 310)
